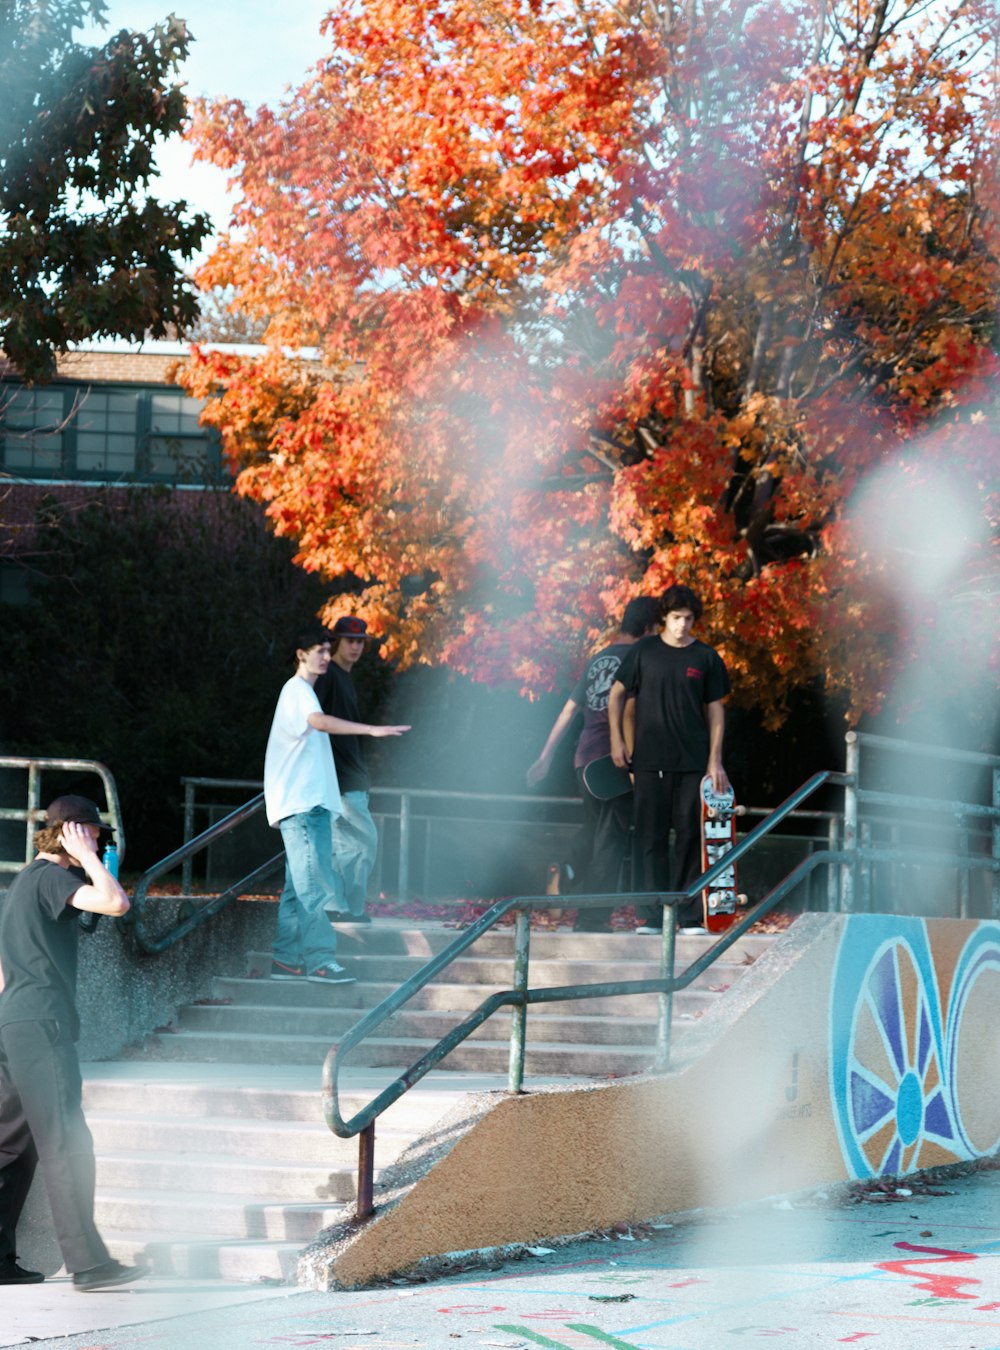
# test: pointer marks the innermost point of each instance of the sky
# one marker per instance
(248, 49)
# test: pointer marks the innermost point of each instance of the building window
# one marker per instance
(106, 433)
(33, 427)
(177, 445)
(107, 429)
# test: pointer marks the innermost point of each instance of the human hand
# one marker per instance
(78, 841)
(389, 731)
(621, 756)
(537, 772)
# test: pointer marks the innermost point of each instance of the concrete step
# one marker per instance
(258, 1141)
(195, 1214)
(214, 1174)
(443, 993)
(569, 1027)
(185, 1256)
(474, 1055)
(232, 1097)
(390, 937)
(495, 972)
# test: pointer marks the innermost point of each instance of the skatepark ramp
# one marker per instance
(857, 1046)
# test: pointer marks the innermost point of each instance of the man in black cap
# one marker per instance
(41, 1113)
(355, 837)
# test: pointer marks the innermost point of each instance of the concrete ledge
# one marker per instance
(855, 1047)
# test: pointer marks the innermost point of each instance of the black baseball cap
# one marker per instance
(350, 626)
(72, 809)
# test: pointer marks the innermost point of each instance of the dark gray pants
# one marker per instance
(42, 1124)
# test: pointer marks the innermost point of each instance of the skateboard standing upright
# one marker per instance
(718, 835)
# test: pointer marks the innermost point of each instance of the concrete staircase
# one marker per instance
(213, 1155)
(258, 1020)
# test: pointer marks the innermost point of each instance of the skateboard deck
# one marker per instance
(605, 780)
(718, 835)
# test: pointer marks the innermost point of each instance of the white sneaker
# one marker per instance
(648, 928)
(694, 930)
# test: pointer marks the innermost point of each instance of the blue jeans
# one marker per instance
(355, 844)
(304, 935)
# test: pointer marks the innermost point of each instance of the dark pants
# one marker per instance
(600, 850)
(42, 1124)
(665, 801)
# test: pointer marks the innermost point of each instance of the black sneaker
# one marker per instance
(107, 1276)
(12, 1273)
(281, 971)
(331, 973)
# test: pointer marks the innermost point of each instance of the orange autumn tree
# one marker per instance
(570, 299)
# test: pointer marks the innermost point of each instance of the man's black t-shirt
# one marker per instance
(339, 698)
(672, 686)
(38, 946)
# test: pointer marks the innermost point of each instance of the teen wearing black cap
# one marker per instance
(41, 1112)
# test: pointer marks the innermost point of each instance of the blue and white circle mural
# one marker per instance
(909, 1042)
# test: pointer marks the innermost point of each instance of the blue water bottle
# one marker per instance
(110, 858)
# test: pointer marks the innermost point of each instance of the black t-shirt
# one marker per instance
(339, 698)
(671, 687)
(591, 696)
(38, 946)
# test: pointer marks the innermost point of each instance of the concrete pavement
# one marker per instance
(912, 1268)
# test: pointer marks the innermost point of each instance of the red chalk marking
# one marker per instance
(988, 1307)
(858, 1336)
(684, 1283)
(941, 1286)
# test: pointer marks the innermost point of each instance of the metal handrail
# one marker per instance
(33, 814)
(519, 997)
(136, 917)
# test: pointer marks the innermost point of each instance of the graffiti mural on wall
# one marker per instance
(914, 1030)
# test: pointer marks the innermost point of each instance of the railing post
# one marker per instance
(996, 843)
(865, 869)
(519, 1012)
(964, 879)
(188, 865)
(366, 1172)
(667, 954)
(34, 802)
(403, 875)
(832, 893)
(848, 871)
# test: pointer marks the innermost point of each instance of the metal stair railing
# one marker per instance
(33, 813)
(520, 996)
(136, 919)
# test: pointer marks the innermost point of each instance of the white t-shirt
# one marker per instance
(298, 763)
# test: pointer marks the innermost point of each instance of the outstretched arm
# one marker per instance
(715, 716)
(560, 726)
(337, 726)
